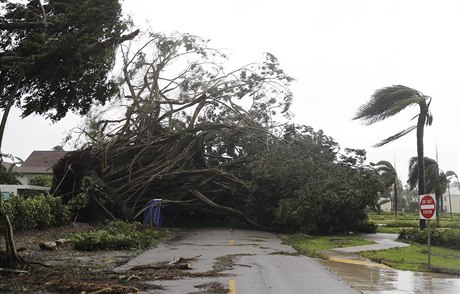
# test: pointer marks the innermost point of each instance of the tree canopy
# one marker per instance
(56, 57)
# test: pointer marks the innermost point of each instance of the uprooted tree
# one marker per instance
(206, 140)
(186, 127)
(55, 58)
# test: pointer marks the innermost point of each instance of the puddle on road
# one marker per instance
(372, 279)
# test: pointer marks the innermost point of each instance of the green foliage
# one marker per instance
(303, 185)
(62, 66)
(449, 238)
(36, 212)
(388, 223)
(89, 188)
(403, 224)
(117, 235)
(313, 245)
(8, 176)
(44, 181)
(78, 202)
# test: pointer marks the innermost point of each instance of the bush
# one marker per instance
(403, 224)
(36, 212)
(449, 238)
(116, 235)
(367, 227)
(44, 181)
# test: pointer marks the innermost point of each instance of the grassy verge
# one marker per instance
(388, 223)
(415, 258)
(390, 230)
(313, 246)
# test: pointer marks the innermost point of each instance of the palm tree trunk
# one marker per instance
(441, 205)
(420, 156)
(437, 197)
(395, 187)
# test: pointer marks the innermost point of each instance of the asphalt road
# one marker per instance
(261, 264)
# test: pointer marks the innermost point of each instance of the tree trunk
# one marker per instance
(11, 253)
(395, 186)
(438, 205)
(441, 205)
(420, 156)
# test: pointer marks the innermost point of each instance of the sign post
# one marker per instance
(427, 209)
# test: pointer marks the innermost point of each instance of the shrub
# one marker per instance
(367, 227)
(403, 224)
(116, 235)
(44, 181)
(81, 204)
(36, 212)
(449, 238)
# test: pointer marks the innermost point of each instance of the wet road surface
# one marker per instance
(264, 265)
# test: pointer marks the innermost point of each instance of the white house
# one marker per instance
(452, 202)
(8, 190)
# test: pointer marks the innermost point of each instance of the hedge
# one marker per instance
(40, 211)
(449, 238)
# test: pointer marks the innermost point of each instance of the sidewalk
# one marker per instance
(383, 241)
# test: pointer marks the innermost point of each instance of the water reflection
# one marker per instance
(375, 279)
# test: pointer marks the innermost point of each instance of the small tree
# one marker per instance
(389, 178)
(436, 180)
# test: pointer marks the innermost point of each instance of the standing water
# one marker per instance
(370, 277)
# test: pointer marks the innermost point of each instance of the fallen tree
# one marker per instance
(210, 145)
(186, 131)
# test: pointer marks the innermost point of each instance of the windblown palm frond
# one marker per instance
(450, 173)
(435, 179)
(387, 173)
(387, 102)
(396, 136)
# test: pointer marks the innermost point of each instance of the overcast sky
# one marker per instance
(338, 51)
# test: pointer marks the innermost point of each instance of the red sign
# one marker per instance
(427, 207)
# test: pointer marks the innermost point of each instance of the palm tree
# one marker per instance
(436, 180)
(389, 101)
(389, 178)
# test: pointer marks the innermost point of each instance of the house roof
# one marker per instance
(41, 162)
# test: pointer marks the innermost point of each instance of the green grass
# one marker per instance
(390, 230)
(415, 258)
(119, 235)
(391, 224)
(314, 245)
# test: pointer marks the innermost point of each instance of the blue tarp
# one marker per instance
(152, 214)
